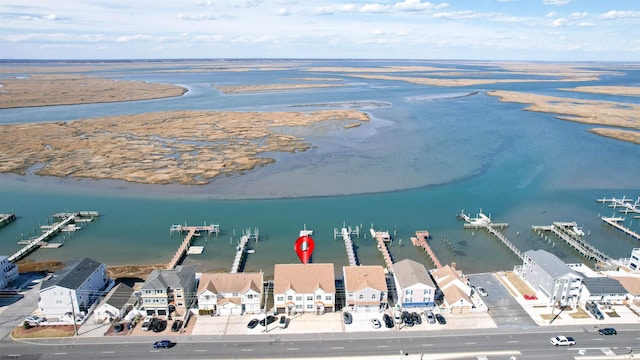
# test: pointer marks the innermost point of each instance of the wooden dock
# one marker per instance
(348, 244)
(615, 222)
(483, 221)
(626, 205)
(241, 249)
(571, 234)
(42, 239)
(6, 219)
(421, 240)
(192, 231)
(383, 238)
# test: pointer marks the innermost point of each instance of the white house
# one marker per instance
(414, 286)
(169, 290)
(455, 288)
(365, 288)
(8, 272)
(634, 260)
(604, 290)
(74, 289)
(116, 304)
(301, 288)
(230, 293)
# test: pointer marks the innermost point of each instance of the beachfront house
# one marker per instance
(8, 272)
(365, 288)
(551, 278)
(74, 289)
(634, 260)
(230, 293)
(169, 291)
(603, 290)
(455, 289)
(116, 304)
(414, 287)
(304, 288)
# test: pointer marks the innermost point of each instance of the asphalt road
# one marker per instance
(525, 343)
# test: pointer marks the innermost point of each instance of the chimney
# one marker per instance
(453, 265)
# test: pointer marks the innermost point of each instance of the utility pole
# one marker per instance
(73, 312)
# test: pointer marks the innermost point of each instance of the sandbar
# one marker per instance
(172, 147)
(607, 90)
(234, 89)
(68, 89)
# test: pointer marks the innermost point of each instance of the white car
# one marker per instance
(397, 317)
(375, 323)
(563, 341)
(481, 291)
(35, 319)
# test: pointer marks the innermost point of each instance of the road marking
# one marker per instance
(470, 343)
(513, 341)
(59, 353)
(426, 344)
(338, 347)
(292, 349)
(383, 346)
(108, 352)
(246, 349)
(201, 350)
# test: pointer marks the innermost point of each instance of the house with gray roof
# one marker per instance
(120, 300)
(551, 278)
(74, 289)
(414, 286)
(604, 290)
(169, 290)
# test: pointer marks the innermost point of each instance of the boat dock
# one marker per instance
(615, 222)
(625, 204)
(383, 238)
(570, 233)
(421, 240)
(6, 218)
(192, 231)
(66, 222)
(348, 244)
(483, 221)
(241, 249)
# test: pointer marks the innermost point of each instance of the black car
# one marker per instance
(388, 321)
(253, 323)
(270, 319)
(608, 331)
(176, 326)
(162, 344)
(407, 319)
(416, 318)
(159, 325)
(440, 319)
(347, 317)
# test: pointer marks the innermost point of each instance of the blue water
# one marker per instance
(428, 153)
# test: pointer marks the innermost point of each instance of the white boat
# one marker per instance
(250, 251)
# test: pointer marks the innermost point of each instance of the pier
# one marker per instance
(348, 244)
(421, 240)
(6, 218)
(192, 231)
(571, 234)
(66, 220)
(241, 249)
(615, 222)
(483, 221)
(383, 238)
(624, 203)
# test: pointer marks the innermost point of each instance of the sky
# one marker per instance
(547, 30)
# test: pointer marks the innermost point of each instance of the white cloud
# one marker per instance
(578, 15)
(556, 2)
(462, 15)
(52, 17)
(560, 22)
(374, 8)
(586, 24)
(417, 5)
(551, 14)
(614, 14)
(200, 17)
(282, 12)
(130, 38)
(203, 3)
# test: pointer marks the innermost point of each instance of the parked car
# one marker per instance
(388, 321)
(481, 291)
(440, 319)
(118, 327)
(176, 326)
(147, 323)
(268, 320)
(407, 319)
(563, 341)
(348, 319)
(283, 322)
(429, 316)
(159, 325)
(162, 344)
(253, 323)
(607, 331)
(376, 323)
(397, 317)
(416, 318)
(35, 320)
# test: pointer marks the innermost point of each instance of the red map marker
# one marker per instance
(304, 247)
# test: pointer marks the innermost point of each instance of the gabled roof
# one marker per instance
(453, 295)
(603, 286)
(409, 272)
(447, 275)
(231, 282)
(170, 278)
(303, 278)
(357, 278)
(551, 264)
(119, 296)
(73, 274)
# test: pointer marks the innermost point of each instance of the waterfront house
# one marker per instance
(169, 290)
(8, 272)
(634, 260)
(414, 286)
(308, 288)
(365, 288)
(603, 290)
(455, 289)
(551, 278)
(116, 304)
(74, 289)
(230, 293)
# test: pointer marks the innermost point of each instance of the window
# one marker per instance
(328, 297)
(309, 306)
(289, 298)
(373, 296)
(319, 297)
(361, 297)
(235, 294)
(280, 298)
(350, 294)
(298, 307)
(299, 298)
(309, 297)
